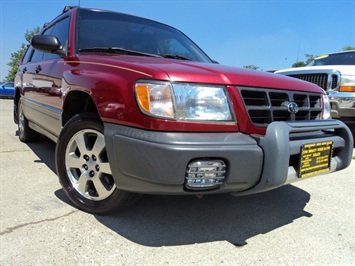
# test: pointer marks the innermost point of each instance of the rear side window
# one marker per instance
(28, 55)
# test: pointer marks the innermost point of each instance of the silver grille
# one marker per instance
(267, 105)
(325, 81)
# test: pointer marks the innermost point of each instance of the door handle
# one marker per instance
(38, 69)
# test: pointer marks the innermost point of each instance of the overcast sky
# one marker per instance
(270, 34)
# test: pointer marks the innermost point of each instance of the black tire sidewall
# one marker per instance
(27, 134)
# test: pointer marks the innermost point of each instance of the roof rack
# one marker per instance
(67, 8)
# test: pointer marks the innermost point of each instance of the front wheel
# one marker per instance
(83, 167)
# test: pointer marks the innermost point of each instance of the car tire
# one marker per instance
(25, 133)
(83, 167)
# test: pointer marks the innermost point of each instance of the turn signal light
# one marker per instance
(347, 88)
(142, 91)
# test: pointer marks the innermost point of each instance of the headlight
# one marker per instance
(347, 84)
(201, 102)
(183, 101)
(326, 107)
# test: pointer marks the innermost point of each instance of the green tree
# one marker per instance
(251, 67)
(347, 48)
(299, 64)
(17, 56)
(309, 58)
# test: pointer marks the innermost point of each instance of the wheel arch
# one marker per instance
(17, 97)
(77, 102)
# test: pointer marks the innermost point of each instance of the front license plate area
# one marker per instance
(315, 158)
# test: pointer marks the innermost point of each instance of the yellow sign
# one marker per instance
(315, 158)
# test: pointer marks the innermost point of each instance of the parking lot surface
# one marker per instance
(307, 223)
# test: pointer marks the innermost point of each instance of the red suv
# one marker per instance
(135, 106)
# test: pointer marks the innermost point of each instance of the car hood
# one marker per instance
(195, 72)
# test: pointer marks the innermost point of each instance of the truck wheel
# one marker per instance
(25, 133)
(83, 167)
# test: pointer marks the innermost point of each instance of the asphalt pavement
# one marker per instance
(307, 223)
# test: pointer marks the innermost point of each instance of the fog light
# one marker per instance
(205, 174)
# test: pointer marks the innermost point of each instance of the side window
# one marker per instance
(37, 56)
(61, 31)
(9, 85)
(27, 56)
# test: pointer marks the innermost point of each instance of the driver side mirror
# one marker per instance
(48, 44)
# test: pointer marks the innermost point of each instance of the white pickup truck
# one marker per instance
(335, 73)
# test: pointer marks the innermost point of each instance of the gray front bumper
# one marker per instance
(282, 145)
(155, 162)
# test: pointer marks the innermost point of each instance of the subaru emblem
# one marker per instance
(292, 107)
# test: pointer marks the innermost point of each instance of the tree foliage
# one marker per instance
(17, 56)
(251, 67)
(347, 48)
(299, 64)
(309, 59)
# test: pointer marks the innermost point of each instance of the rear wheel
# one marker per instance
(83, 167)
(25, 133)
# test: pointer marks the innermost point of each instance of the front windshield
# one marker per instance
(101, 29)
(346, 58)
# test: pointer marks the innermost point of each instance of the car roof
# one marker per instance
(341, 52)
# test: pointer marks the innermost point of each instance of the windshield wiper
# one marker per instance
(175, 56)
(119, 50)
(115, 50)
